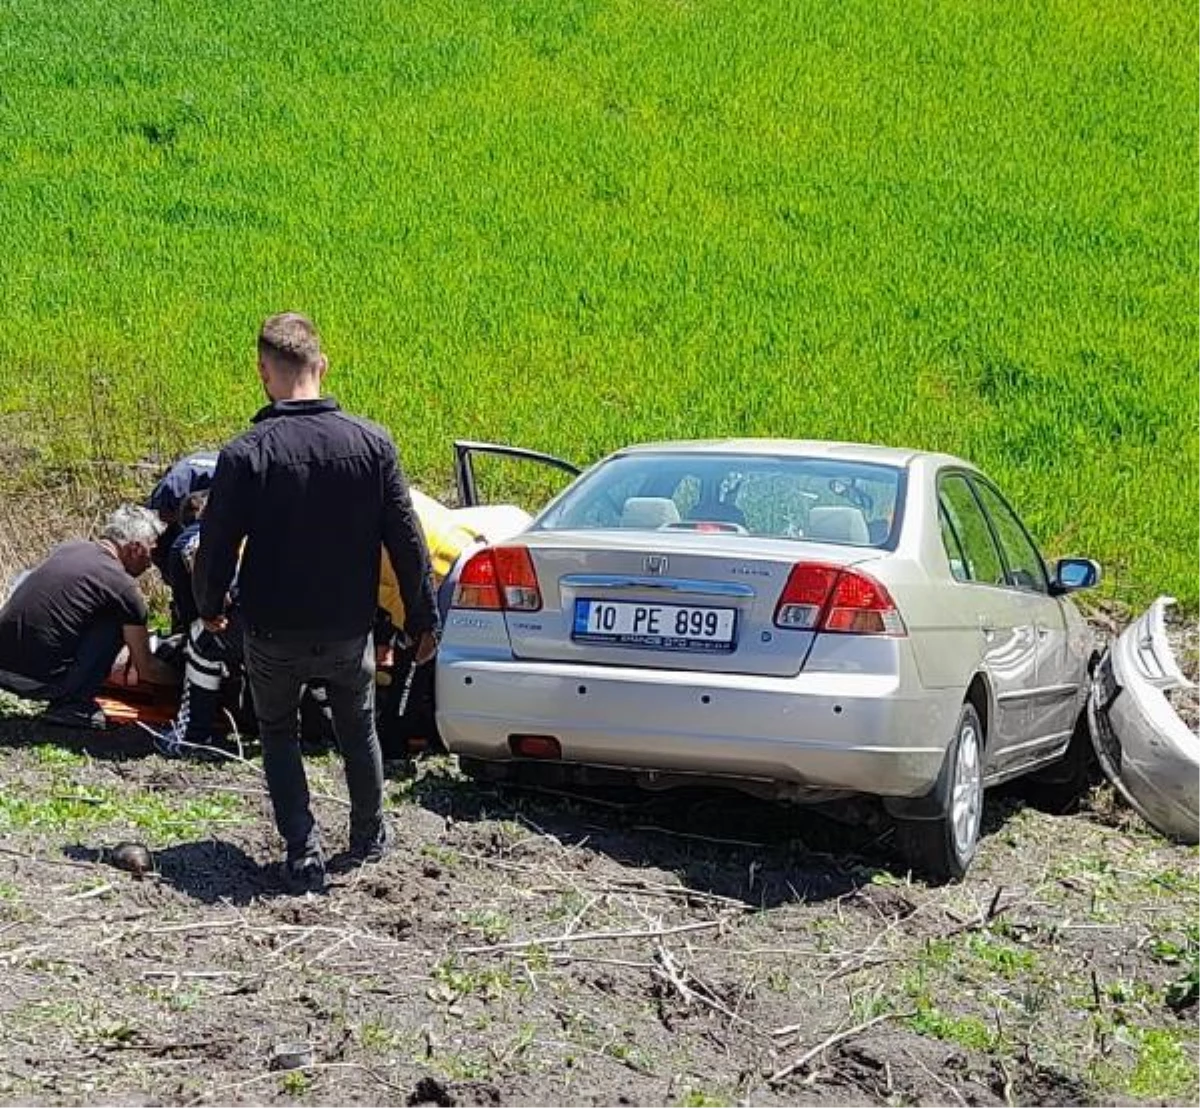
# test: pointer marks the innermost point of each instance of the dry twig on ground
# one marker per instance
(833, 1040)
(593, 936)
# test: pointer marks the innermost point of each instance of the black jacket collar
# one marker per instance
(296, 407)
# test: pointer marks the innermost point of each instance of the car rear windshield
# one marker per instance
(816, 498)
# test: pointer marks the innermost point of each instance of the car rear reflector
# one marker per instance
(535, 746)
(500, 578)
(820, 597)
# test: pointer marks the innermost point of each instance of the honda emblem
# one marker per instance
(656, 564)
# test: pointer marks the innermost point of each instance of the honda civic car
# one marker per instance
(801, 620)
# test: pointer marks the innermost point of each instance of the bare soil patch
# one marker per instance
(523, 947)
(610, 948)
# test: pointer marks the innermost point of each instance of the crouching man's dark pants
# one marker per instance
(278, 669)
(77, 681)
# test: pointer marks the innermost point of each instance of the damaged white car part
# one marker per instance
(1145, 748)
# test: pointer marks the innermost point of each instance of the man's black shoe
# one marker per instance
(372, 850)
(305, 874)
(83, 715)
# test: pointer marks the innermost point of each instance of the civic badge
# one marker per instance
(656, 564)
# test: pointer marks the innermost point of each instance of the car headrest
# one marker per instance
(838, 524)
(649, 512)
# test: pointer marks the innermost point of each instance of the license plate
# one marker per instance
(654, 626)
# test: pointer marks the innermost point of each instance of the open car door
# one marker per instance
(464, 468)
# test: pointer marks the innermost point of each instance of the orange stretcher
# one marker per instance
(125, 705)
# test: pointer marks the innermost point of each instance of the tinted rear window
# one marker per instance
(849, 503)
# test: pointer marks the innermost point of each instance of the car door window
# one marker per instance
(507, 469)
(954, 551)
(979, 555)
(1023, 563)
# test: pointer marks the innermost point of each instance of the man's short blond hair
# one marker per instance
(290, 341)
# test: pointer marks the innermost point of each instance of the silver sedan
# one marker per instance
(806, 620)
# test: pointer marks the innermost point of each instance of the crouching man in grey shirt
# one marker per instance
(65, 623)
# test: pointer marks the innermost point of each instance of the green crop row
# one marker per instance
(574, 224)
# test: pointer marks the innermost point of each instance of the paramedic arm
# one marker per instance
(221, 534)
(149, 668)
(405, 544)
(427, 646)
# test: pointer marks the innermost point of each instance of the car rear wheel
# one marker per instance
(942, 848)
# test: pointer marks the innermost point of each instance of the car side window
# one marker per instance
(1025, 568)
(975, 541)
(954, 551)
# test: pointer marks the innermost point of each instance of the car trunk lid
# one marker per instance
(683, 602)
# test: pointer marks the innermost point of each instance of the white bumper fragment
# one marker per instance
(1147, 751)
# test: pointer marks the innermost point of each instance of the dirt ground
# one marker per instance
(519, 947)
(522, 947)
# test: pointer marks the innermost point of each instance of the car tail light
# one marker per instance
(804, 596)
(860, 605)
(820, 597)
(477, 586)
(499, 578)
(518, 580)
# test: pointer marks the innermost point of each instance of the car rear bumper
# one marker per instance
(865, 733)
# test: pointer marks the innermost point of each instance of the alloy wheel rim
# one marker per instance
(967, 802)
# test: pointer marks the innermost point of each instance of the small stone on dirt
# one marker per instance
(134, 858)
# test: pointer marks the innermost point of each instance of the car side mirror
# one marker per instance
(1072, 574)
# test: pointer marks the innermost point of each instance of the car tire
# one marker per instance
(943, 848)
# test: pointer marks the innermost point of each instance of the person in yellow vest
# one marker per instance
(410, 696)
(406, 706)
(446, 537)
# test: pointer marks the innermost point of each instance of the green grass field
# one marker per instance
(572, 224)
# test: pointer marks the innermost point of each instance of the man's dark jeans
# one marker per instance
(79, 681)
(279, 668)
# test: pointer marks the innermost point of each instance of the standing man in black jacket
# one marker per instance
(314, 492)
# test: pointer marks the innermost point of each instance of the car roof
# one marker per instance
(808, 448)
